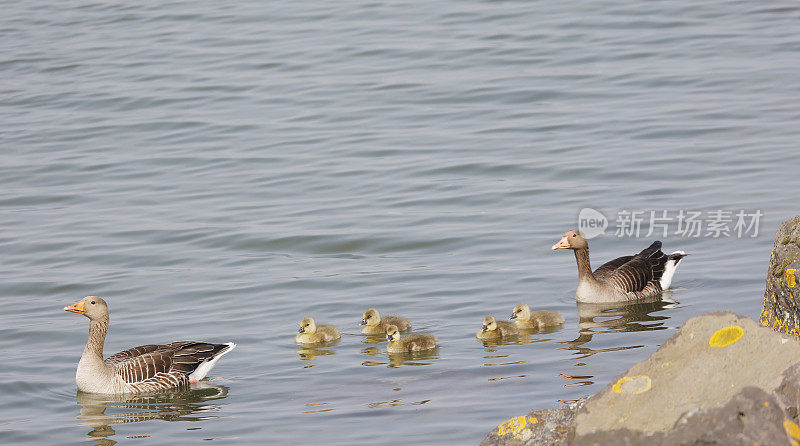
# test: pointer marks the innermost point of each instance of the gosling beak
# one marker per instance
(301, 330)
(390, 337)
(513, 316)
(77, 307)
(484, 328)
(363, 322)
(562, 244)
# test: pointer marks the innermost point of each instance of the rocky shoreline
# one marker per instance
(721, 379)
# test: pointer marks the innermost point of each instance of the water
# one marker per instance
(218, 171)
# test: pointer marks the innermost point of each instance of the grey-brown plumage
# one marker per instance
(534, 320)
(374, 323)
(622, 279)
(140, 369)
(494, 329)
(414, 342)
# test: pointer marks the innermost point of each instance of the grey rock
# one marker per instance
(780, 310)
(721, 379)
(550, 427)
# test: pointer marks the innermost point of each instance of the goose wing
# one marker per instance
(610, 266)
(632, 274)
(146, 362)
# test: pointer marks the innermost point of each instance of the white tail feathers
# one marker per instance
(669, 268)
(202, 370)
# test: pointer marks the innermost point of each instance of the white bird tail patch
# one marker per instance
(202, 370)
(669, 268)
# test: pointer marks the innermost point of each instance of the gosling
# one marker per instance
(311, 333)
(525, 318)
(492, 329)
(375, 324)
(414, 342)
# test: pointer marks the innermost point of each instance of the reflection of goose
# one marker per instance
(311, 333)
(616, 317)
(167, 405)
(627, 278)
(145, 368)
(309, 353)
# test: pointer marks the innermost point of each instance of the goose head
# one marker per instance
(521, 312)
(489, 324)
(92, 307)
(392, 333)
(307, 325)
(371, 317)
(572, 240)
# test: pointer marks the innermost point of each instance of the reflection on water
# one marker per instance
(310, 353)
(598, 318)
(374, 339)
(189, 404)
(524, 337)
(401, 359)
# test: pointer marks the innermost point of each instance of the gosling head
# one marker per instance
(392, 333)
(572, 240)
(92, 307)
(371, 317)
(489, 324)
(521, 312)
(307, 325)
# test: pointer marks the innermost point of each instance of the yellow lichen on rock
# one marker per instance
(792, 429)
(790, 279)
(726, 336)
(513, 426)
(632, 384)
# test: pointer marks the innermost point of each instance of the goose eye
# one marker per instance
(369, 316)
(574, 235)
(92, 302)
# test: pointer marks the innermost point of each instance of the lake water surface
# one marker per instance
(219, 170)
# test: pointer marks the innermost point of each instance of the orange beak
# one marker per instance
(562, 244)
(77, 307)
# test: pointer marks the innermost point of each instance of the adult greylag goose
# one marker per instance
(527, 319)
(626, 278)
(415, 342)
(311, 333)
(494, 329)
(375, 324)
(140, 369)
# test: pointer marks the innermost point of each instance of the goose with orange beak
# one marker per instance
(641, 276)
(140, 369)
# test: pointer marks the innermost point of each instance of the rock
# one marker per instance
(780, 311)
(549, 427)
(708, 361)
(721, 379)
(752, 416)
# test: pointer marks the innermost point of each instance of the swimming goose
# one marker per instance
(626, 278)
(414, 342)
(140, 369)
(493, 329)
(525, 318)
(375, 324)
(311, 333)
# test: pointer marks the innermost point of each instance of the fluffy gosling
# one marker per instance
(414, 342)
(525, 318)
(493, 329)
(375, 324)
(311, 333)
